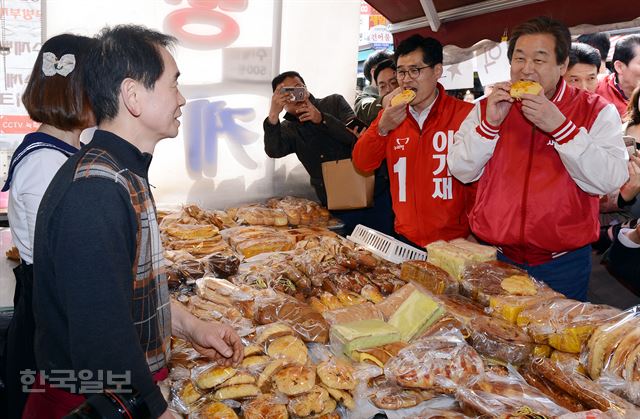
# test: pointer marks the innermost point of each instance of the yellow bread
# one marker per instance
(405, 97)
(521, 87)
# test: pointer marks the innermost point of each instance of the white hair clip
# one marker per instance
(51, 65)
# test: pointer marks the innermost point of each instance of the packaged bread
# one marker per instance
(415, 314)
(352, 313)
(612, 355)
(591, 394)
(429, 276)
(391, 303)
(552, 391)
(191, 232)
(301, 211)
(266, 406)
(482, 252)
(454, 258)
(362, 334)
(506, 396)
(564, 324)
(258, 215)
(378, 355)
(498, 339)
(439, 362)
(484, 281)
(394, 397)
(272, 306)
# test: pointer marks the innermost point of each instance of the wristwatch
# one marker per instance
(382, 132)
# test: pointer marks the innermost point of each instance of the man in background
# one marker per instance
(365, 106)
(618, 86)
(601, 42)
(582, 72)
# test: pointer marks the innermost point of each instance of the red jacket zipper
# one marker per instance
(526, 193)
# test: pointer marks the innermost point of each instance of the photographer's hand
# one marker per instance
(278, 100)
(308, 112)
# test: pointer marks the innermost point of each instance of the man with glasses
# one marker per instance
(428, 203)
(541, 162)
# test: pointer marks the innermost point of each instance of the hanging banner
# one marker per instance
(492, 64)
(458, 76)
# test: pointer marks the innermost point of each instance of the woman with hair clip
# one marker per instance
(54, 97)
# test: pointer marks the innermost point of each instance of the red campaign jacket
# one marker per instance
(429, 203)
(527, 203)
(609, 91)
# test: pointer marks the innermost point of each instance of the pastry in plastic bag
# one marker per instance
(313, 402)
(295, 380)
(429, 276)
(440, 362)
(552, 391)
(588, 392)
(290, 348)
(265, 406)
(499, 339)
(215, 410)
(336, 373)
(214, 376)
(341, 396)
(392, 397)
(238, 391)
(564, 324)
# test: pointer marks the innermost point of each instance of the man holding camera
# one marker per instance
(315, 130)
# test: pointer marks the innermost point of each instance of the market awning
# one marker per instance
(463, 23)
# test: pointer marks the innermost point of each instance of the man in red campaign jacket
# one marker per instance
(541, 162)
(618, 86)
(429, 204)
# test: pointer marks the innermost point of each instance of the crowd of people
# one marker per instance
(535, 177)
(528, 176)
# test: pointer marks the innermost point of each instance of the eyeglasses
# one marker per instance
(413, 72)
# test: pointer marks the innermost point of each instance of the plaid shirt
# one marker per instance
(151, 306)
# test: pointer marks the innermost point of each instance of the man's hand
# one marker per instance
(386, 100)
(308, 112)
(217, 341)
(634, 235)
(499, 103)
(392, 116)
(278, 100)
(542, 112)
(357, 132)
(631, 188)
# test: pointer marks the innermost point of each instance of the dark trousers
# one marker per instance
(20, 342)
(568, 274)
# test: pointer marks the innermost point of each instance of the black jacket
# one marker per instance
(313, 143)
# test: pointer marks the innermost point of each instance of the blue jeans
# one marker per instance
(568, 274)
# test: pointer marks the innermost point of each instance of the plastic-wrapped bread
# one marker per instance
(552, 391)
(498, 339)
(429, 276)
(506, 396)
(439, 362)
(564, 324)
(455, 255)
(612, 354)
(392, 302)
(588, 392)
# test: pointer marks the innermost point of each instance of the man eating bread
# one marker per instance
(541, 160)
(413, 133)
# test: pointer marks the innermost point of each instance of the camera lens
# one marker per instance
(109, 405)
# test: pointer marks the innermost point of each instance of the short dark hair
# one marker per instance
(544, 25)
(373, 61)
(633, 112)
(124, 51)
(431, 49)
(598, 40)
(58, 100)
(584, 54)
(625, 49)
(280, 78)
(383, 66)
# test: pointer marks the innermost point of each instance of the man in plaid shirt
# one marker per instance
(101, 302)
